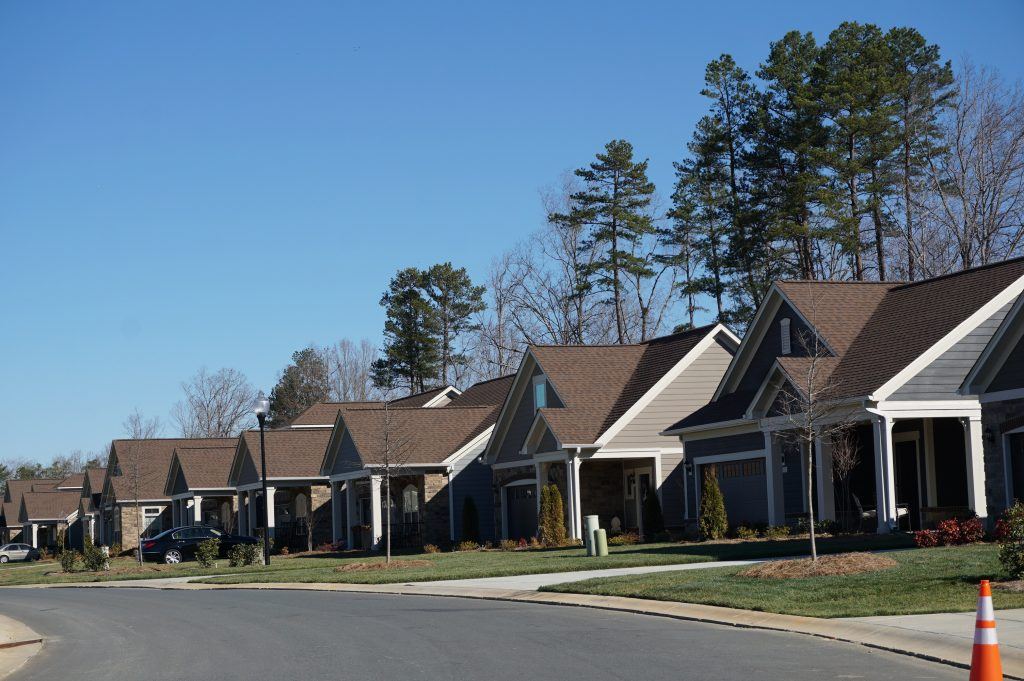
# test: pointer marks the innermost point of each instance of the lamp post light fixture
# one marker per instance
(262, 409)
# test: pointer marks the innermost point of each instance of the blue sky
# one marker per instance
(186, 184)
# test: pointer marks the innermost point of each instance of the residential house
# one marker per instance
(197, 483)
(299, 512)
(413, 470)
(10, 510)
(133, 503)
(89, 502)
(47, 516)
(890, 361)
(587, 418)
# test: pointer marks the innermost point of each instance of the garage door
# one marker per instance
(521, 511)
(744, 488)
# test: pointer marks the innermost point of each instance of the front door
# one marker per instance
(521, 511)
(1016, 454)
(636, 485)
(908, 483)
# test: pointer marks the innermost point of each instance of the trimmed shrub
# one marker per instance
(1011, 546)
(92, 557)
(115, 549)
(508, 545)
(68, 560)
(470, 521)
(207, 552)
(743, 532)
(241, 555)
(714, 523)
(777, 531)
(467, 546)
(954, 532)
(654, 521)
(624, 539)
(431, 548)
(924, 539)
(552, 516)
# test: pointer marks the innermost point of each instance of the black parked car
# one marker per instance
(175, 545)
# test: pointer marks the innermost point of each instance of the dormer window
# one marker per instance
(787, 344)
(540, 393)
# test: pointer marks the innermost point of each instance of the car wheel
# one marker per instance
(172, 557)
(4, 559)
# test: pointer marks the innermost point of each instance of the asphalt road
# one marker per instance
(132, 634)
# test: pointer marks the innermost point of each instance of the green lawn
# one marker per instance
(475, 564)
(941, 579)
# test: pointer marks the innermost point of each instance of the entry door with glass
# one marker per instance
(637, 485)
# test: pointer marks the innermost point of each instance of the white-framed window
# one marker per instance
(151, 524)
(540, 393)
(787, 343)
(410, 504)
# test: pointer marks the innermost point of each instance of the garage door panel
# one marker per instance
(744, 490)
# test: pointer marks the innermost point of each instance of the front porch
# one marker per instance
(212, 508)
(299, 516)
(417, 504)
(908, 469)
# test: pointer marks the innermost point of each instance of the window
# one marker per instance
(410, 504)
(540, 393)
(787, 344)
(151, 524)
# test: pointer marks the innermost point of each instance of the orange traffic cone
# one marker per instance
(985, 663)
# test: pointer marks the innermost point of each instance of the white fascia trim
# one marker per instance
(949, 340)
(753, 337)
(469, 446)
(133, 502)
(273, 482)
(440, 396)
(1002, 395)
(548, 457)
(767, 384)
(711, 429)
(538, 419)
(732, 456)
(351, 475)
(928, 408)
(311, 425)
(525, 463)
(671, 375)
(975, 382)
(1015, 431)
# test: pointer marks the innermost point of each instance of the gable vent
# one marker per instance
(787, 345)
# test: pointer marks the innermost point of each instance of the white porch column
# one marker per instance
(931, 480)
(197, 511)
(538, 471)
(271, 512)
(250, 511)
(572, 470)
(350, 507)
(33, 533)
(885, 474)
(826, 490)
(243, 515)
(975, 448)
(335, 511)
(376, 533)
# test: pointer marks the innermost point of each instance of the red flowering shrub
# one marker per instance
(926, 538)
(953, 532)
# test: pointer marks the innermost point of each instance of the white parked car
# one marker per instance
(12, 552)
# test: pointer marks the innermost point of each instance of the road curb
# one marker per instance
(18, 645)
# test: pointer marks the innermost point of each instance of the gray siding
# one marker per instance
(672, 481)
(771, 348)
(472, 479)
(692, 389)
(729, 444)
(1011, 375)
(521, 420)
(941, 379)
(347, 458)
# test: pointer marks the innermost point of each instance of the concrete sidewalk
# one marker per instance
(955, 626)
(18, 644)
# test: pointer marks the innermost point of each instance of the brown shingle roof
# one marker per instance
(11, 511)
(74, 481)
(16, 488)
(420, 399)
(485, 393)
(205, 467)
(95, 477)
(325, 413)
(878, 329)
(291, 453)
(154, 460)
(49, 505)
(418, 435)
(599, 383)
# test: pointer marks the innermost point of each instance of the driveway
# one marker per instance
(132, 634)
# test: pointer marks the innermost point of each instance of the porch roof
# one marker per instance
(203, 467)
(290, 453)
(490, 393)
(49, 506)
(152, 459)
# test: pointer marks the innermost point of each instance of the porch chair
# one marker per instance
(902, 511)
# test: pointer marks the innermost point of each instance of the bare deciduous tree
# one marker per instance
(976, 183)
(350, 367)
(845, 458)
(137, 427)
(215, 405)
(396, 454)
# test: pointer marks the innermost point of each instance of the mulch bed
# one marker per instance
(825, 566)
(1013, 586)
(381, 565)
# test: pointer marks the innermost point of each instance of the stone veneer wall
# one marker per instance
(320, 507)
(130, 517)
(436, 528)
(997, 417)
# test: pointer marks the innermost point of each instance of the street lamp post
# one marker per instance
(262, 409)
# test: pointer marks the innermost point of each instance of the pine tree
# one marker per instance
(614, 208)
(922, 87)
(454, 301)
(714, 522)
(302, 384)
(410, 357)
